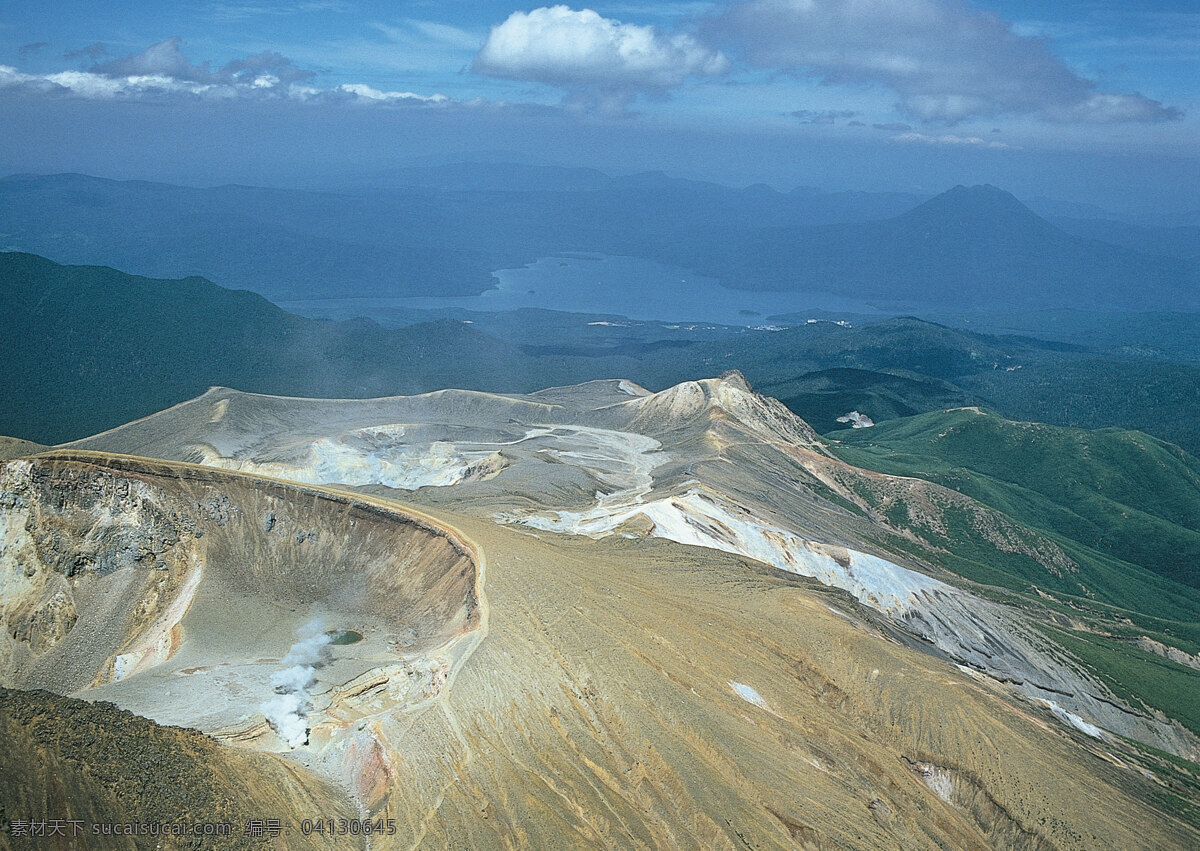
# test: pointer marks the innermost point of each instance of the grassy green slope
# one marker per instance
(1123, 493)
(1139, 677)
(1086, 391)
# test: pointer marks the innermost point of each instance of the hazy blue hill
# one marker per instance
(1054, 208)
(1120, 492)
(495, 177)
(848, 206)
(88, 348)
(445, 233)
(1182, 242)
(279, 243)
(442, 236)
(974, 247)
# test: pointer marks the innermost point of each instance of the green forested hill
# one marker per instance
(88, 348)
(1123, 493)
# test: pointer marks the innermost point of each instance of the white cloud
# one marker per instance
(162, 71)
(228, 12)
(164, 58)
(1110, 108)
(592, 56)
(92, 86)
(946, 60)
(445, 34)
(951, 139)
(822, 116)
(412, 33)
(364, 91)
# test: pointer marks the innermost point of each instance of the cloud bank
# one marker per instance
(163, 71)
(823, 116)
(947, 61)
(951, 139)
(593, 57)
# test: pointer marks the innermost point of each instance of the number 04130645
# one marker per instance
(348, 827)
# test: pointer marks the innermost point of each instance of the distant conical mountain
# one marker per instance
(975, 212)
(970, 247)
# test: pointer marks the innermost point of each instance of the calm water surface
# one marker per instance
(598, 283)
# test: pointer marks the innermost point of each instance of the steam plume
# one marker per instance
(285, 712)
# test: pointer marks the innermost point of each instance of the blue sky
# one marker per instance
(1092, 101)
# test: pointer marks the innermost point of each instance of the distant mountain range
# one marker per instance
(444, 231)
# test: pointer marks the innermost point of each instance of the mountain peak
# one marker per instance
(976, 210)
(981, 194)
(724, 399)
(979, 190)
(985, 200)
(735, 378)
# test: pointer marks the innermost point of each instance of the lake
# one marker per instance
(600, 283)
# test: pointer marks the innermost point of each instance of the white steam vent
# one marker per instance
(856, 420)
(286, 711)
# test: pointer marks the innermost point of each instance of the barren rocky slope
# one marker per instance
(619, 618)
(705, 463)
